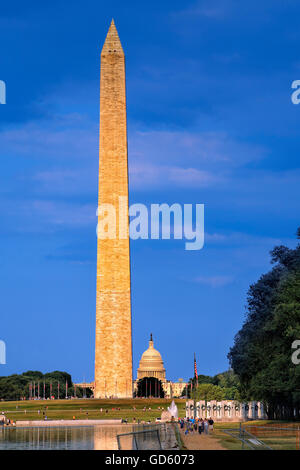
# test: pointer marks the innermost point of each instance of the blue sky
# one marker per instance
(210, 120)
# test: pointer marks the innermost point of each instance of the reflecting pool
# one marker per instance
(99, 437)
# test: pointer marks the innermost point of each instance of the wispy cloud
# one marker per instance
(242, 239)
(207, 9)
(68, 182)
(196, 147)
(227, 10)
(57, 138)
(63, 214)
(158, 176)
(48, 216)
(69, 143)
(186, 158)
(214, 281)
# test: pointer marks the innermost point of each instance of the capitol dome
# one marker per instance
(151, 363)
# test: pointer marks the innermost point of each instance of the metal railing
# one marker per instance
(144, 437)
(247, 439)
(278, 433)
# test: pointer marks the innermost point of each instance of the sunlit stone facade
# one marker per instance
(113, 355)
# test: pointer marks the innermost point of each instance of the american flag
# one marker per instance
(195, 369)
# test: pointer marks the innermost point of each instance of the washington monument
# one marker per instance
(113, 355)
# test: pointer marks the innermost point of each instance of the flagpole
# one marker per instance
(196, 384)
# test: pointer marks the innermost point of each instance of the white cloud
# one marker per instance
(191, 176)
(63, 214)
(59, 137)
(154, 176)
(204, 8)
(186, 158)
(240, 238)
(194, 147)
(68, 182)
(48, 215)
(214, 281)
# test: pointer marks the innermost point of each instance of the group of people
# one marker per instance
(4, 421)
(191, 425)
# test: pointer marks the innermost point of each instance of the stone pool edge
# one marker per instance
(68, 422)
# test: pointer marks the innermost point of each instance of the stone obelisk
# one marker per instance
(113, 357)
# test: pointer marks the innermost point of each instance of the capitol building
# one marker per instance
(151, 378)
(152, 373)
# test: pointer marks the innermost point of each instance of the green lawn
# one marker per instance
(88, 409)
(279, 442)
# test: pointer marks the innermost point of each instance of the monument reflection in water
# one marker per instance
(102, 437)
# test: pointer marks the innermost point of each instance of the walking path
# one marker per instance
(195, 441)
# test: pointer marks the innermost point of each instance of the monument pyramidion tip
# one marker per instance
(112, 44)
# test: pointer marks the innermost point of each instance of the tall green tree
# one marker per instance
(261, 354)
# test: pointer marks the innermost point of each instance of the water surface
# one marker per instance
(99, 437)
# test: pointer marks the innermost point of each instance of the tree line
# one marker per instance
(35, 384)
(261, 356)
(223, 386)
